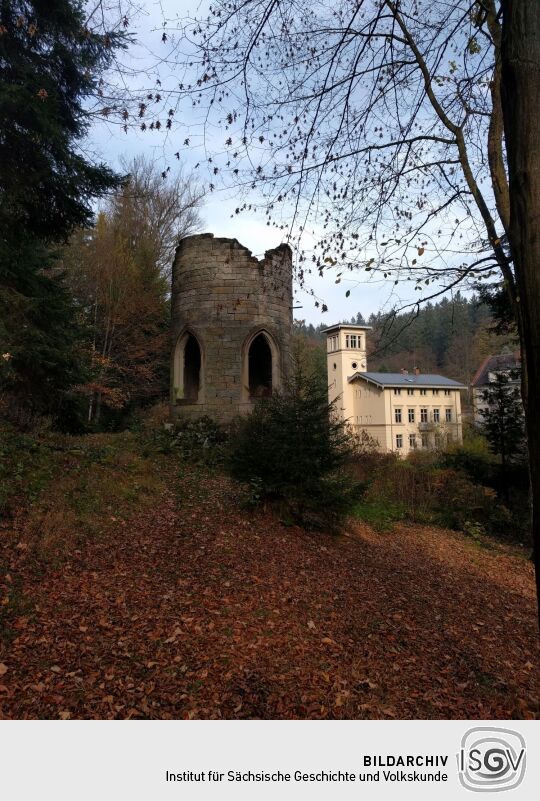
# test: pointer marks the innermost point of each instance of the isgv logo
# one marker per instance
(491, 759)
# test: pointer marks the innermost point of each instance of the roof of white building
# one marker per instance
(348, 327)
(492, 364)
(409, 380)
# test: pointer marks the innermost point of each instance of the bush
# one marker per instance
(423, 490)
(293, 450)
(473, 458)
(461, 504)
(196, 437)
(201, 440)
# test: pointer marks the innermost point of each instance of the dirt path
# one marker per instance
(199, 609)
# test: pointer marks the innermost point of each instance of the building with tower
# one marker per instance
(401, 412)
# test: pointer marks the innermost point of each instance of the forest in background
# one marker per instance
(450, 337)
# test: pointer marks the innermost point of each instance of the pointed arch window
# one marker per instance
(260, 368)
(188, 369)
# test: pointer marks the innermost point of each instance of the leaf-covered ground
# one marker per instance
(162, 598)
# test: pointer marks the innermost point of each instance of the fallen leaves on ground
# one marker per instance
(194, 608)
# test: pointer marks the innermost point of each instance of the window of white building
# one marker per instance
(399, 440)
(411, 415)
(397, 414)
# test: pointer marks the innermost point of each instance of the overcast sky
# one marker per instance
(111, 144)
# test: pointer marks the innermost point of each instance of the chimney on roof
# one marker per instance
(417, 371)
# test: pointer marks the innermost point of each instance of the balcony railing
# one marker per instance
(430, 425)
(426, 426)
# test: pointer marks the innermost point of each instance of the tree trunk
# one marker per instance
(520, 56)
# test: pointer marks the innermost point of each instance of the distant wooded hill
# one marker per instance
(450, 337)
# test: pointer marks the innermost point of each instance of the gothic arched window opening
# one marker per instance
(260, 368)
(192, 369)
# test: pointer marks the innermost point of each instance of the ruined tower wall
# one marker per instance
(223, 296)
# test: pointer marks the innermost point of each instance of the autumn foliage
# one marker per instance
(118, 272)
(136, 586)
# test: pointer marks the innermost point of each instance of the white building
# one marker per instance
(508, 364)
(400, 411)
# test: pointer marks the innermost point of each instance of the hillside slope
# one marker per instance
(161, 598)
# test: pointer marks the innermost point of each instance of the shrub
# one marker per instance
(421, 489)
(475, 530)
(473, 457)
(294, 450)
(198, 436)
(460, 503)
(366, 466)
(200, 440)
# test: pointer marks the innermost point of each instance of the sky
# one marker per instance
(111, 144)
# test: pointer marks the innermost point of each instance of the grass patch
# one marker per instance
(27, 466)
(380, 514)
(75, 488)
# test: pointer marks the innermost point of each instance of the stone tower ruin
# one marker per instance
(231, 326)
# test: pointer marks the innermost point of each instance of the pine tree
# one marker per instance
(495, 297)
(40, 339)
(293, 448)
(50, 64)
(503, 417)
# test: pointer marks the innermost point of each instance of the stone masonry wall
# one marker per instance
(223, 295)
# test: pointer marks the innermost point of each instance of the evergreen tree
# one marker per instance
(50, 64)
(293, 448)
(503, 418)
(495, 297)
(40, 338)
